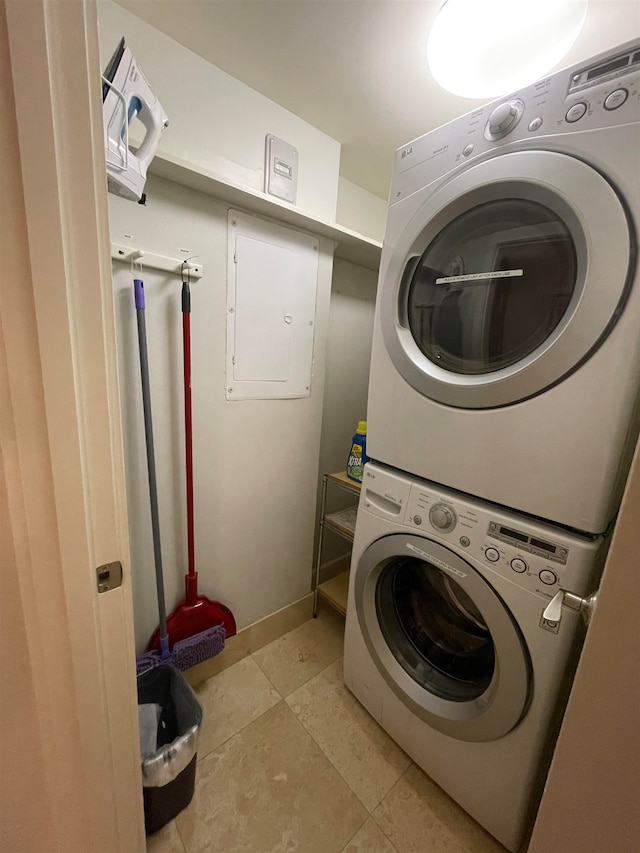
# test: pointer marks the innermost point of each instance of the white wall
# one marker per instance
(353, 294)
(361, 210)
(218, 123)
(255, 462)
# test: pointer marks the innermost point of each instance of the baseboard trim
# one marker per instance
(252, 638)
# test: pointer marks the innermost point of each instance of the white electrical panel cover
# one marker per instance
(271, 305)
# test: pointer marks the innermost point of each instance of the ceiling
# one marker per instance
(355, 69)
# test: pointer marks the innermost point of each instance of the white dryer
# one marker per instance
(506, 349)
(446, 644)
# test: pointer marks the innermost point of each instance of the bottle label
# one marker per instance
(355, 465)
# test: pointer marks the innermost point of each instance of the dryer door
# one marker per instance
(506, 279)
(442, 638)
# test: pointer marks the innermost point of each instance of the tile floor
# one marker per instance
(289, 761)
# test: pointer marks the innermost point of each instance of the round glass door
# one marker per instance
(505, 279)
(434, 630)
(492, 286)
(441, 637)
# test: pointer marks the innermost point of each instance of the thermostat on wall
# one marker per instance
(280, 169)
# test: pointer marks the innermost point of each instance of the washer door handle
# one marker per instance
(586, 606)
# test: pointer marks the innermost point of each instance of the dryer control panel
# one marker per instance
(602, 93)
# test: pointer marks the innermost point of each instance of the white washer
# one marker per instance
(506, 349)
(446, 644)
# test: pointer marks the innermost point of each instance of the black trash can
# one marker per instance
(170, 720)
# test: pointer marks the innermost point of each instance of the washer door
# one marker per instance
(506, 279)
(442, 638)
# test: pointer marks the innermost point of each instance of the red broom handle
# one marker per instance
(191, 580)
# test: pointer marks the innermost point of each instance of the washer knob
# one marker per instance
(502, 119)
(442, 517)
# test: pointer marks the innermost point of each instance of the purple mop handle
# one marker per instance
(138, 289)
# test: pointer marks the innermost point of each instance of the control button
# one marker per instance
(518, 565)
(417, 519)
(442, 517)
(535, 123)
(465, 541)
(467, 149)
(576, 112)
(616, 99)
(502, 119)
(492, 554)
(548, 577)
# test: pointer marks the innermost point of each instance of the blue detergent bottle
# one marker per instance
(358, 454)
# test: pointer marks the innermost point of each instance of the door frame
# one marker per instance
(62, 452)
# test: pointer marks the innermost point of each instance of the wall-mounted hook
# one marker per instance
(136, 261)
(175, 266)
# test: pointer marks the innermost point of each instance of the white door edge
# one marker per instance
(65, 489)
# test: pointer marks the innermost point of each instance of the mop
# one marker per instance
(206, 644)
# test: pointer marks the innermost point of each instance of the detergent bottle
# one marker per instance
(358, 454)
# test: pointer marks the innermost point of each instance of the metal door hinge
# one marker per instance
(109, 576)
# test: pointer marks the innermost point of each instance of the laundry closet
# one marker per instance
(498, 564)
(258, 453)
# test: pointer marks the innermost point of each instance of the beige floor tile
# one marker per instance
(231, 700)
(364, 755)
(302, 653)
(270, 789)
(418, 817)
(166, 840)
(370, 839)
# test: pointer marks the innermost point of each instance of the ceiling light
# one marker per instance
(487, 48)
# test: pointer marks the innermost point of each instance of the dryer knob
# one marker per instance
(502, 119)
(442, 517)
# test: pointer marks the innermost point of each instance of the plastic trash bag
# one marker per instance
(177, 724)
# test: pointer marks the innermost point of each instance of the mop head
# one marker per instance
(207, 644)
(149, 659)
(154, 657)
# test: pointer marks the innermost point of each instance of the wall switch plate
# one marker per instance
(280, 169)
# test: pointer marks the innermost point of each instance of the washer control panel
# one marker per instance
(531, 569)
(535, 555)
(529, 543)
(602, 93)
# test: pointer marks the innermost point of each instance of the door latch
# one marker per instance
(109, 576)
(552, 614)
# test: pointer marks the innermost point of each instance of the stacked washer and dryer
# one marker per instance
(502, 417)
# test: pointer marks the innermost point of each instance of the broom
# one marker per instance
(208, 643)
(197, 619)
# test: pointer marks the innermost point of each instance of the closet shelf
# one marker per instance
(351, 246)
(336, 592)
(336, 589)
